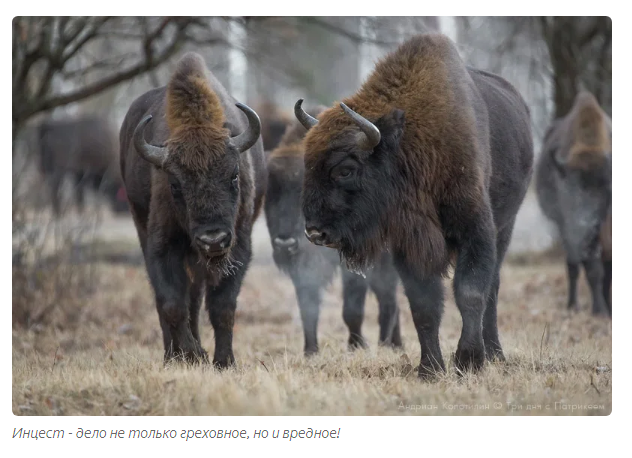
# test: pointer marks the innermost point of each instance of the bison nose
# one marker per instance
(285, 243)
(315, 236)
(213, 241)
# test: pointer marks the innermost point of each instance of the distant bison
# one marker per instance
(85, 150)
(195, 175)
(312, 268)
(573, 182)
(274, 123)
(429, 159)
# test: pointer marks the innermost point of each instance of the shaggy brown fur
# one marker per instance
(274, 123)
(588, 136)
(421, 88)
(194, 115)
(291, 144)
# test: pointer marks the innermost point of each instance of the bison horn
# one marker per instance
(304, 118)
(153, 154)
(372, 133)
(249, 137)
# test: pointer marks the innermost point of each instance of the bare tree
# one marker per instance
(580, 50)
(50, 51)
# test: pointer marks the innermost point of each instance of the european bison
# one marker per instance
(573, 183)
(84, 149)
(432, 160)
(274, 123)
(312, 268)
(195, 175)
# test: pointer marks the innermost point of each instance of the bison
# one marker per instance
(85, 150)
(430, 159)
(311, 267)
(573, 184)
(274, 123)
(194, 169)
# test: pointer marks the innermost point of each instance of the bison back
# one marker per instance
(510, 142)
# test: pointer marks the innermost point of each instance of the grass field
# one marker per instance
(108, 360)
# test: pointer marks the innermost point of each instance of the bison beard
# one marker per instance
(194, 201)
(430, 159)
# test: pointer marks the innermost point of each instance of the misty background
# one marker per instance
(74, 66)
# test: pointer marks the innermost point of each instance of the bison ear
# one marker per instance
(391, 126)
(230, 127)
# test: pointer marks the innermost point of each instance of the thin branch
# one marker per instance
(345, 33)
(593, 30)
(79, 25)
(149, 63)
(90, 35)
(113, 62)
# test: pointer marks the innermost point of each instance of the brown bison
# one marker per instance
(83, 149)
(311, 267)
(573, 183)
(195, 175)
(430, 159)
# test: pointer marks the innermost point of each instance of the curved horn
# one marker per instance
(372, 133)
(249, 137)
(153, 154)
(305, 119)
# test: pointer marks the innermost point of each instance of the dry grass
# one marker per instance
(111, 362)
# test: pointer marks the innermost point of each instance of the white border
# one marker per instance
(383, 435)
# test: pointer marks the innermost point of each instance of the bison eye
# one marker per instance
(343, 172)
(236, 175)
(176, 189)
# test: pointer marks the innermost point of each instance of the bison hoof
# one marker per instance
(469, 359)
(573, 306)
(494, 352)
(197, 356)
(394, 344)
(429, 372)
(601, 313)
(224, 362)
(311, 351)
(357, 341)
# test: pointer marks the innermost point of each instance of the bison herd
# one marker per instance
(422, 170)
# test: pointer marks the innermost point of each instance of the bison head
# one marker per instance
(350, 181)
(283, 206)
(202, 168)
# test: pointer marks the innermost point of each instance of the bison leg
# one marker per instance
(221, 302)
(595, 277)
(309, 298)
(607, 284)
(425, 296)
(354, 288)
(171, 285)
(383, 282)
(473, 279)
(493, 350)
(573, 273)
(195, 301)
